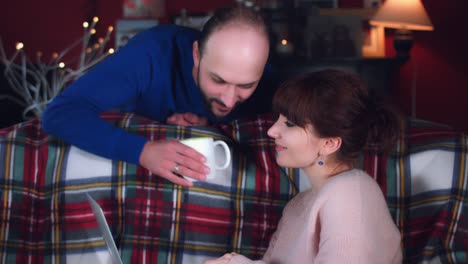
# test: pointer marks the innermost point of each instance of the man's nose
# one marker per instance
(229, 96)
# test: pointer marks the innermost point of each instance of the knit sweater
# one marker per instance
(346, 221)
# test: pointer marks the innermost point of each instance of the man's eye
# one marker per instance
(289, 124)
(245, 86)
(218, 81)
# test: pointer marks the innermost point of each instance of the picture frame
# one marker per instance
(333, 37)
(373, 37)
(317, 3)
(195, 21)
(144, 9)
(371, 3)
(374, 43)
(127, 28)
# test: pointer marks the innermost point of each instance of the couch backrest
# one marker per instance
(45, 214)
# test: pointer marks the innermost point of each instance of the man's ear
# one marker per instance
(330, 145)
(195, 54)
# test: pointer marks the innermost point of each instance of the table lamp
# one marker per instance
(404, 16)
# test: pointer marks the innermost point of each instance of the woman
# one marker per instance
(325, 120)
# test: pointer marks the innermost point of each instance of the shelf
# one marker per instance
(376, 72)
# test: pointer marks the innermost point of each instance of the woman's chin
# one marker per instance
(282, 163)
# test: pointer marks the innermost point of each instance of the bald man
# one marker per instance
(170, 74)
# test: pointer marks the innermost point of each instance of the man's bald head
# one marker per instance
(238, 16)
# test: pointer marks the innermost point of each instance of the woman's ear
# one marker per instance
(330, 145)
(195, 54)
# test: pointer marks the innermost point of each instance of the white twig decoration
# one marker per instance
(38, 82)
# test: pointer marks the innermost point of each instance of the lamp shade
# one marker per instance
(402, 14)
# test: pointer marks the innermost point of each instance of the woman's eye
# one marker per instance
(289, 124)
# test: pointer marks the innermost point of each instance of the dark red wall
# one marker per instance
(439, 57)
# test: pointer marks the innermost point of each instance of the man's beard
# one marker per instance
(210, 101)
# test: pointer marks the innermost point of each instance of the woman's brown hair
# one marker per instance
(338, 104)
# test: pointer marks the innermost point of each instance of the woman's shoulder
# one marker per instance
(350, 177)
(353, 183)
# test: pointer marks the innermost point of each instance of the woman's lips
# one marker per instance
(279, 148)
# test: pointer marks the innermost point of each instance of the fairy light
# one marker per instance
(37, 84)
(19, 45)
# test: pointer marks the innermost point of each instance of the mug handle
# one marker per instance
(226, 151)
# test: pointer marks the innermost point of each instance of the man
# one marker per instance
(170, 74)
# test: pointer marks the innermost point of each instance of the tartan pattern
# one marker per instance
(425, 184)
(46, 218)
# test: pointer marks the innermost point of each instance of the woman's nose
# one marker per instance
(272, 131)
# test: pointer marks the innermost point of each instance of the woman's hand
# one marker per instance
(222, 260)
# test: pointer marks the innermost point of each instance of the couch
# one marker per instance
(46, 218)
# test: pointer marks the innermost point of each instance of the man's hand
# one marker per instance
(186, 119)
(169, 158)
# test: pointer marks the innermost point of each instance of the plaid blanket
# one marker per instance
(46, 218)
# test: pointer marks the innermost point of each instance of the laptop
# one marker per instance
(104, 228)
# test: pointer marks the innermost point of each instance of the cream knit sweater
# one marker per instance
(347, 221)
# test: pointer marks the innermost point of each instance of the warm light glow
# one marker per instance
(284, 42)
(403, 14)
(19, 45)
(37, 80)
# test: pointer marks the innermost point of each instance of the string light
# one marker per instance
(37, 83)
(19, 46)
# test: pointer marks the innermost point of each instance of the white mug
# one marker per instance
(206, 146)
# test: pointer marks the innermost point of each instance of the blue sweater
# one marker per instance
(151, 76)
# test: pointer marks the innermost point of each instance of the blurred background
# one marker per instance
(431, 84)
